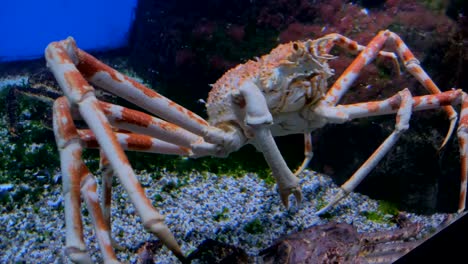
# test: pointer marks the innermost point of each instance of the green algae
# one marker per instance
(385, 213)
(254, 227)
(222, 215)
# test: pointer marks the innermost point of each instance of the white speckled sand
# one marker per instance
(37, 235)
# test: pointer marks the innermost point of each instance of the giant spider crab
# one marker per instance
(284, 92)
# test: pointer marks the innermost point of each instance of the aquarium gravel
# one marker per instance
(243, 211)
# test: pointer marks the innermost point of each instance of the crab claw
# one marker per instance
(287, 183)
(258, 118)
(284, 195)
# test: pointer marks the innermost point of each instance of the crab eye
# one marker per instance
(295, 46)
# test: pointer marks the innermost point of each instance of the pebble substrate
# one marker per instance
(204, 205)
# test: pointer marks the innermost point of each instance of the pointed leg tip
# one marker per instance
(336, 199)
(77, 255)
(322, 211)
(298, 195)
(284, 195)
(182, 258)
(325, 209)
(157, 227)
(285, 200)
(453, 123)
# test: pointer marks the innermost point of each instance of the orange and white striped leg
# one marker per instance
(462, 133)
(368, 54)
(419, 103)
(105, 77)
(402, 124)
(135, 142)
(152, 220)
(107, 139)
(415, 69)
(142, 123)
(353, 47)
(76, 177)
(102, 228)
(107, 174)
(308, 154)
(59, 57)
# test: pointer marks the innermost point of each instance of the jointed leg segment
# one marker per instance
(308, 154)
(76, 177)
(184, 133)
(367, 55)
(79, 93)
(343, 113)
(258, 119)
(403, 104)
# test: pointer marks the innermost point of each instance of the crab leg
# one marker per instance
(102, 229)
(352, 46)
(114, 82)
(368, 54)
(258, 118)
(136, 142)
(107, 175)
(462, 133)
(402, 124)
(76, 174)
(152, 134)
(308, 154)
(343, 113)
(142, 123)
(59, 57)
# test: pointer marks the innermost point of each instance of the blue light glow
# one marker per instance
(27, 26)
